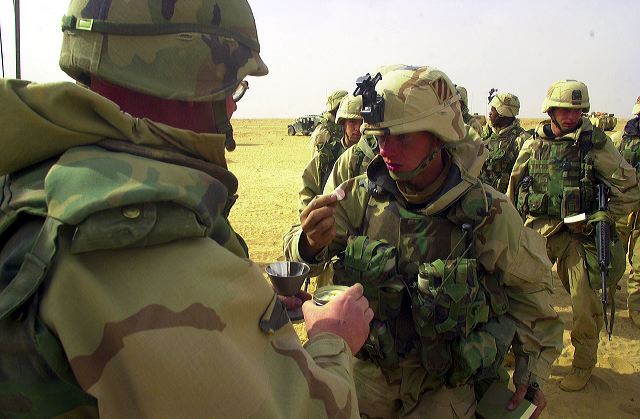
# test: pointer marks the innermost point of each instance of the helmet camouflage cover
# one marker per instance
(506, 104)
(349, 108)
(333, 100)
(636, 107)
(198, 50)
(571, 94)
(418, 99)
(464, 97)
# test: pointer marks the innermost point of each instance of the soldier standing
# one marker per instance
(124, 291)
(628, 143)
(554, 177)
(417, 226)
(504, 138)
(466, 115)
(328, 129)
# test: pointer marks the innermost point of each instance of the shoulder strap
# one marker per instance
(33, 270)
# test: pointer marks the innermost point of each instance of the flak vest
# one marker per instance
(428, 294)
(503, 152)
(561, 178)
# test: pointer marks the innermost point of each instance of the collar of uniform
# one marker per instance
(500, 131)
(544, 133)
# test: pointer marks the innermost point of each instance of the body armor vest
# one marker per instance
(503, 152)
(561, 177)
(428, 295)
(328, 153)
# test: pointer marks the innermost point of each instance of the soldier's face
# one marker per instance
(404, 152)
(568, 119)
(493, 115)
(352, 130)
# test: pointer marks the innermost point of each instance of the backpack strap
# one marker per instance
(33, 270)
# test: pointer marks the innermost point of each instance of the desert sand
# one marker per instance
(268, 164)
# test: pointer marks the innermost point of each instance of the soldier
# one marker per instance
(420, 231)
(124, 291)
(317, 171)
(466, 116)
(328, 129)
(554, 177)
(503, 137)
(628, 143)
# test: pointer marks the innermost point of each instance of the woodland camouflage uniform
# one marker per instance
(628, 143)
(563, 172)
(124, 291)
(328, 129)
(391, 246)
(503, 143)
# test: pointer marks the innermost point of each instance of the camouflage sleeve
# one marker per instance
(624, 194)
(341, 171)
(175, 331)
(311, 182)
(519, 255)
(348, 218)
(520, 170)
(320, 135)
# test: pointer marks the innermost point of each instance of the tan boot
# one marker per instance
(635, 317)
(576, 380)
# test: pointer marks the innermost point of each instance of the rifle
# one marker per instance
(603, 241)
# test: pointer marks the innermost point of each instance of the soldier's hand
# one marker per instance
(295, 301)
(318, 225)
(348, 315)
(521, 390)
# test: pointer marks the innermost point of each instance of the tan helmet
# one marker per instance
(571, 94)
(333, 100)
(464, 97)
(636, 107)
(506, 104)
(418, 99)
(190, 50)
(349, 108)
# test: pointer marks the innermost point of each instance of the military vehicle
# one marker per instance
(304, 125)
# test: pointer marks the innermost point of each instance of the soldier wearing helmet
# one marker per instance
(553, 185)
(318, 170)
(328, 129)
(124, 290)
(422, 233)
(466, 116)
(627, 142)
(503, 137)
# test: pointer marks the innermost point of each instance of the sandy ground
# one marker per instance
(269, 163)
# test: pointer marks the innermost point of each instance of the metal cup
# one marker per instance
(287, 277)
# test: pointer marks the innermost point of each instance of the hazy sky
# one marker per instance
(314, 47)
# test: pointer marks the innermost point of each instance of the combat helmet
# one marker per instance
(418, 99)
(333, 100)
(194, 51)
(506, 104)
(636, 107)
(464, 97)
(571, 94)
(349, 108)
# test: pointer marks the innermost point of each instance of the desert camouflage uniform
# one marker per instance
(628, 143)
(503, 145)
(396, 374)
(327, 130)
(124, 291)
(574, 250)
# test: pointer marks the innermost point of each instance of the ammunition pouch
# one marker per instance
(451, 309)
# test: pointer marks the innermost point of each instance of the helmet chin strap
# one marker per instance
(406, 176)
(223, 124)
(559, 126)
